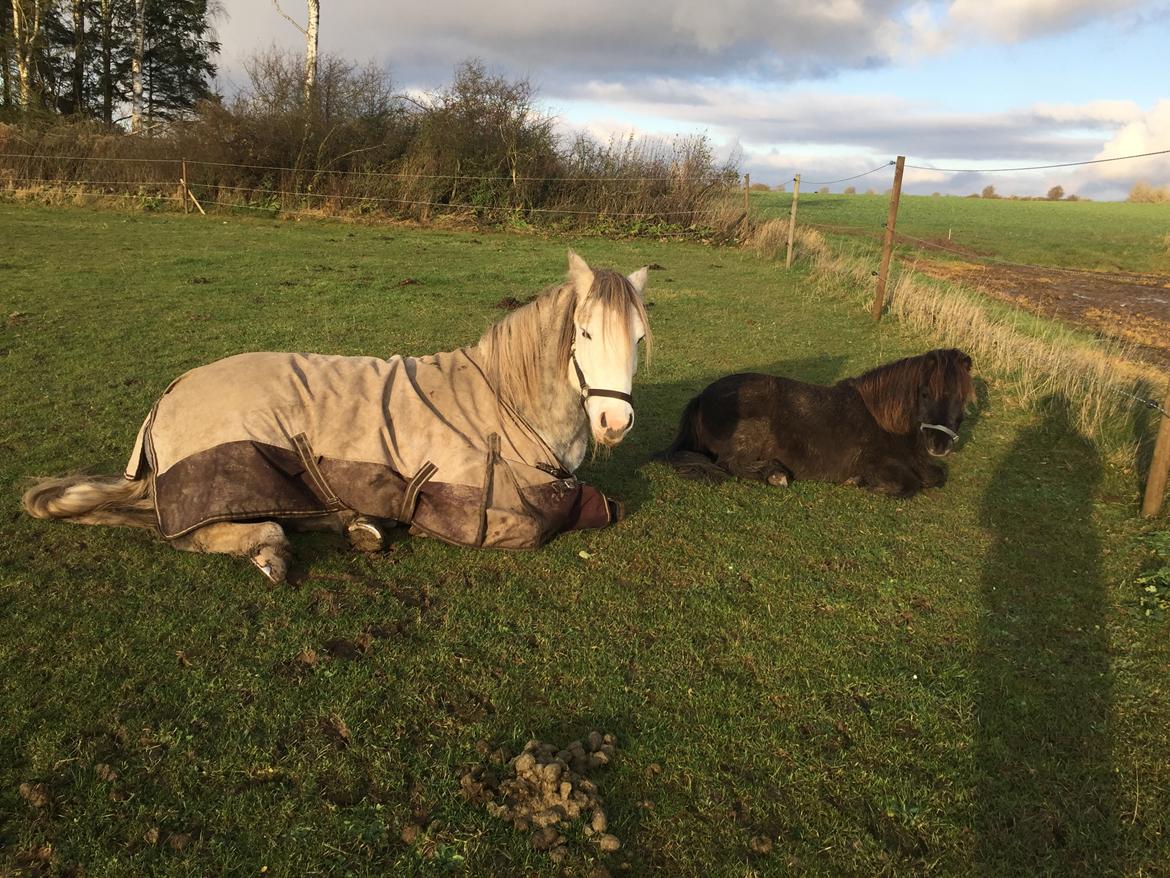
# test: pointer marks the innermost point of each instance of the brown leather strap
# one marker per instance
(410, 498)
(300, 443)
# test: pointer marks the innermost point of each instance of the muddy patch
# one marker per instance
(1133, 308)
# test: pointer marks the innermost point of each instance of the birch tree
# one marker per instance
(136, 66)
(310, 32)
(26, 29)
(79, 55)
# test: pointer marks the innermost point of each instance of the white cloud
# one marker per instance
(1015, 20)
(1149, 132)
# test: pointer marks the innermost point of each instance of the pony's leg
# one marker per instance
(891, 479)
(364, 533)
(263, 543)
(771, 471)
(934, 475)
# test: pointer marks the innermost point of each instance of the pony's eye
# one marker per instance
(585, 333)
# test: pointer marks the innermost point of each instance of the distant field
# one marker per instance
(966, 683)
(1114, 236)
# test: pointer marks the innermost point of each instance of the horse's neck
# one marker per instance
(556, 413)
(560, 419)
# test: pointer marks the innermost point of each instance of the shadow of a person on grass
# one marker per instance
(1045, 794)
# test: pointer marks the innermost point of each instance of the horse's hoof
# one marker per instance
(269, 562)
(778, 479)
(365, 536)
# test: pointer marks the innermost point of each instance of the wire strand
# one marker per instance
(889, 164)
(1120, 158)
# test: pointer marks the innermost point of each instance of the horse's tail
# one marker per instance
(111, 500)
(687, 453)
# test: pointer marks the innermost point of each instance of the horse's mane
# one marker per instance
(890, 392)
(515, 348)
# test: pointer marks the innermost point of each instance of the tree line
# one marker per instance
(135, 61)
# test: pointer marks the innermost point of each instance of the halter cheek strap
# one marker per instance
(954, 436)
(587, 391)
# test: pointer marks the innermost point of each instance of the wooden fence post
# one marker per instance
(747, 207)
(888, 242)
(186, 206)
(792, 219)
(1159, 465)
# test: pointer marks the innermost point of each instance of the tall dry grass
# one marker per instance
(1033, 362)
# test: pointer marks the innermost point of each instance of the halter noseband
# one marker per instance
(587, 391)
(954, 436)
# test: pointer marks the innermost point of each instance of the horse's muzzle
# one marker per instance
(607, 434)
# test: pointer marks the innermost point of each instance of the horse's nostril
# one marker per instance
(603, 419)
(630, 422)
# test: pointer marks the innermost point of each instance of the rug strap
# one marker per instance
(321, 488)
(493, 456)
(410, 498)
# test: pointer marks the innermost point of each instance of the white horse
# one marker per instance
(475, 446)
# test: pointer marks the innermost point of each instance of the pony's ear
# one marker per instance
(965, 360)
(638, 279)
(580, 275)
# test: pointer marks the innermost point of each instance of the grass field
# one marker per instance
(1115, 236)
(964, 683)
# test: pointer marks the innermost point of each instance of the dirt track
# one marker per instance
(1132, 307)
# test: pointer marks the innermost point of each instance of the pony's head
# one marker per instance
(925, 395)
(608, 321)
(943, 395)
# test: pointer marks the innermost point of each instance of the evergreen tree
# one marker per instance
(177, 65)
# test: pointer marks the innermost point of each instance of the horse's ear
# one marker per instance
(965, 360)
(580, 275)
(638, 279)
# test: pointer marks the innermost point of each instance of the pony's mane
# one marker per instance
(890, 392)
(516, 348)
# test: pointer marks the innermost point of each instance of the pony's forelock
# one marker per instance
(891, 391)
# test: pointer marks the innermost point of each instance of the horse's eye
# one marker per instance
(585, 333)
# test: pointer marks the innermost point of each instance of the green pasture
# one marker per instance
(966, 683)
(1099, 235)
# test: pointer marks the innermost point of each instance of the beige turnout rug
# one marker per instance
(424, 441)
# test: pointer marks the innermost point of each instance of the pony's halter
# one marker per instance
(954, 436)
(587, 391)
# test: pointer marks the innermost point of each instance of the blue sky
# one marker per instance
(827, 89)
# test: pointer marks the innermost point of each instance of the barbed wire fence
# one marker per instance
(677, 203)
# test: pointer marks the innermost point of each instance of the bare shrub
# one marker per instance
(1055, 193)
(988, 192)
(849, 190)
(1143, 193)
(476, 150)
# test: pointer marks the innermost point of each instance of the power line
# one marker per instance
(1119, 158)
(846, 179)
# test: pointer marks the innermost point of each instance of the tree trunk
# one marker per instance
(107, 62)
(136, 66)
(6, 52)
(78, 58)
(26, 27)
(311, 50)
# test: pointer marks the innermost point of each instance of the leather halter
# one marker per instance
(587, 391)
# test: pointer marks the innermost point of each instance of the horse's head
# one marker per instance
(943, 394)
(609, 319)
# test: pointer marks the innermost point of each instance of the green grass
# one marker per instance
(964, 683)
(1103, 235)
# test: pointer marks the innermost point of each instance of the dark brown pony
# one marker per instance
(878, 430)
